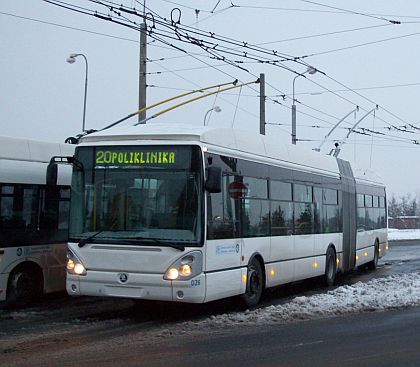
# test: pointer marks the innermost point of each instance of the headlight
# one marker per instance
(74, 265)
(186, 267)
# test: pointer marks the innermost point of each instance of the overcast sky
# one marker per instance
(41, 95)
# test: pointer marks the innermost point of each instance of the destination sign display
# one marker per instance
(133, 157)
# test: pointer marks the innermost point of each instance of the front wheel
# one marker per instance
(22, 288)
(330, 268)
(254, 285)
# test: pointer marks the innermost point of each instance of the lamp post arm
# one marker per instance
(294, 79)
(85, 97)
(205, 116)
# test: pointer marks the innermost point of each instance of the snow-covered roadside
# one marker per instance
(403, 234)
(393, 292)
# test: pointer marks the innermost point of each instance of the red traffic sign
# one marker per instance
(237, 190)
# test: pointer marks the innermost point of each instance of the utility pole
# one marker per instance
(262, 104)
(142, 66)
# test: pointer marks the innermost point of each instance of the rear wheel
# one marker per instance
(254, 284)
(23, 287)
(330, 268)
(374, 263)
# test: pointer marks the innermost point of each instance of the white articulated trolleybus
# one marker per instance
(33, 220)
(195, 214)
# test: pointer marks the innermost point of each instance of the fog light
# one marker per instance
(74, 287)
(180, 294)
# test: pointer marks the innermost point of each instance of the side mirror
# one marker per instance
(52, 173)
(214, 180)
(52, 168)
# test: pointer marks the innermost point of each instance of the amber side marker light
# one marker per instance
(272, 272)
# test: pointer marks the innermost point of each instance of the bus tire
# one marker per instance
(23, 287)
(330, 268)
(372, 265)
(254, 285)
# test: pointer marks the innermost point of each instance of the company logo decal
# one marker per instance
(123, 278)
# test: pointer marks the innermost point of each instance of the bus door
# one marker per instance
(304, 239)
(224, 244)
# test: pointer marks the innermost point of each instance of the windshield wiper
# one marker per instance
(155, 240)
(83, 241)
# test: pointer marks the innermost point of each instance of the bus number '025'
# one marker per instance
(195, 282)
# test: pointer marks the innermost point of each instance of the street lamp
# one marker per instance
(215, 109)
(71, 60)
(311, 70)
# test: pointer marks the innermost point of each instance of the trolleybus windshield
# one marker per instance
(137, 195)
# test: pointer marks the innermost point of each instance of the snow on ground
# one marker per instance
(393, 292)
(403, 234)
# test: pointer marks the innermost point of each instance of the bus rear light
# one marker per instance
(1, 290)
(1, 251)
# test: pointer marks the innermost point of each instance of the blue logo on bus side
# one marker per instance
(19, 251)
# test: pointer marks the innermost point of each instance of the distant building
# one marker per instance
(404, 222)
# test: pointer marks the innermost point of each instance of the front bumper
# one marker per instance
(137, 285)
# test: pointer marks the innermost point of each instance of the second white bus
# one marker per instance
(33, 220)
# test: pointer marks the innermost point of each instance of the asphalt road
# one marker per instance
(374, 339)
(63, 331)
